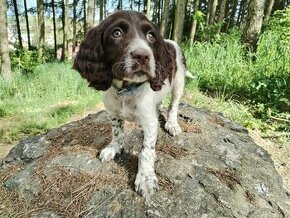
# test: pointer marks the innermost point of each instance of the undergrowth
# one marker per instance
(259, 82)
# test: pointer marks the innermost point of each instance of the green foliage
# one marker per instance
(272, 81)
(204, 32)
(199, 16)
(24, 60)
(208, 32)
(280, 25)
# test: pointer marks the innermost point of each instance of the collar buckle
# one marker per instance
(128, 90)
(124, 90)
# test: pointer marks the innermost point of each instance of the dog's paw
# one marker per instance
(108, 153)
(173, 128)
(146, 185)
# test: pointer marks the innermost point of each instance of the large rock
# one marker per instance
(213, 169)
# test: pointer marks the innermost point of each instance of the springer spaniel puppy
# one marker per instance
(126, 57)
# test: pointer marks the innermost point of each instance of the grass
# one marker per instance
(231, 108)
(34, 103)
(213, 64)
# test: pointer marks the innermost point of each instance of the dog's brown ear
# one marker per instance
(164, 55)
(90, 61)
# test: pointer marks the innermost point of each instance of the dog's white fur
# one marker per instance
(143, 108)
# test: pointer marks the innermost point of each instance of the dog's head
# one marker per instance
(125, 46)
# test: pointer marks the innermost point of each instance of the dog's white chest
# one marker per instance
(127, 110)
(123, 107)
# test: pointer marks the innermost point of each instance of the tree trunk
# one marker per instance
(120, 5)
(165, 16)
(227, 15)
(54, 28)
(254, 24)
(268, 9)
(194, 21)
(179, 20)
(27, 25)
(101, 10)
(244, 11)
(207, 5)
(171, 18)
(65, 29)
(160, 7)
(90, 13)
(212, 11)
(139, 5)
(4, 50)
(17, 23)
(75, 2)
(155, 18)
(232, 16)
(221, 14)
(105, 8)
(148, 8)
(85, 16)
(239, 13)
(40, 17)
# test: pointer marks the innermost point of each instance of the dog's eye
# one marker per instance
(117, 33)
(150, 37)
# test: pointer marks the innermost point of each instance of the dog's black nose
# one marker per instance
(141, 56)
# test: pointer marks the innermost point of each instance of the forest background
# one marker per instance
(238, 50)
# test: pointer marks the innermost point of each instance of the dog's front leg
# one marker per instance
(116, 144)
(146, 182)
(172, 125)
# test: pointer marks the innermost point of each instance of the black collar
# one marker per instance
(128, 89)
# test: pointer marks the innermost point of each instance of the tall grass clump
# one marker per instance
(220, 66)
(35, 102)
